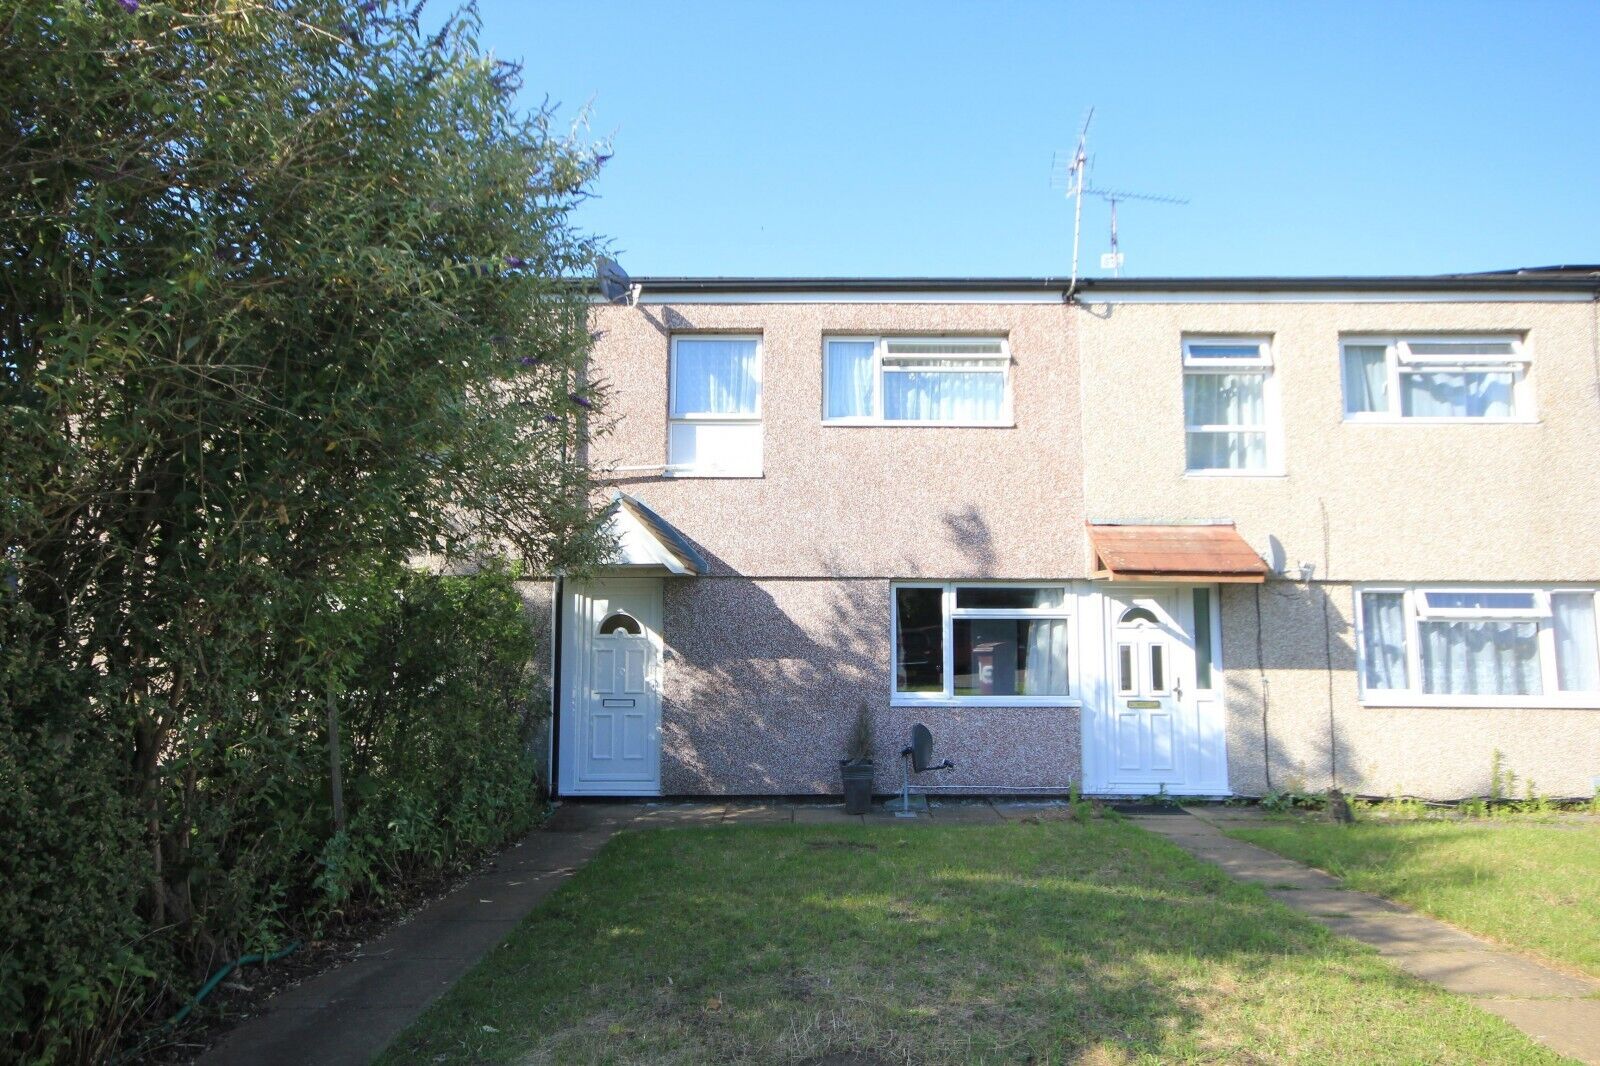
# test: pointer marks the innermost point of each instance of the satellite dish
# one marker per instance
(615, 285)
(921, 747)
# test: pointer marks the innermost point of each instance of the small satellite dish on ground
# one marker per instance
(615, 285)
(917, 757)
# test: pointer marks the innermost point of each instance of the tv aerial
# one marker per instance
(1073, 172)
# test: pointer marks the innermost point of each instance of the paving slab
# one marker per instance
(825, 814)
(964, 812)
(349, 1014)
(1559, 1009)
(1567, 1026)
(758, 814)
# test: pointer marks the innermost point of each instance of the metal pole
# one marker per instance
(335, 780)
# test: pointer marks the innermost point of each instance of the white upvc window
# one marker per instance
(1478, 646)
(1435, 379)
(1230, 406)
(714, 426)
(940, 381)
(982, 645)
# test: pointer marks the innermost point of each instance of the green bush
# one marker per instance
(438, 708)
(291, 295)
(438, 719)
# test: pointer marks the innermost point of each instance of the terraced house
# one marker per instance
(1200, 536)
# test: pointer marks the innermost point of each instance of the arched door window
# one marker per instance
(1138, 616)
(620, 623)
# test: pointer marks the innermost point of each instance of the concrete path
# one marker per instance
(1558, 1009)
(349, 1014)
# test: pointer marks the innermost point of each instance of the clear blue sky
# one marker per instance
(879, 138)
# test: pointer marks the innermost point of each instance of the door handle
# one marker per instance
(1177, 688)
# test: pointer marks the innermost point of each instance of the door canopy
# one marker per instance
(1200, 552)
(648, 543)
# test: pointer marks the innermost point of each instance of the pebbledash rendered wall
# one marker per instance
(768, 657)
(1362, 502)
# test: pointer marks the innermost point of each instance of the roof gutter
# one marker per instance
(1443, 283)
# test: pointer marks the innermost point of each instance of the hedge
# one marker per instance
(436, 717)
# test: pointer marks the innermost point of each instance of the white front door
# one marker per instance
(611, 717)
(1148, 661)
(1156, 724)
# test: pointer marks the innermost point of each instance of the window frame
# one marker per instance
(1396, 351)
(1413, 596)
(880, 343)
(686, 470)
(950, 613)
(1265, 364)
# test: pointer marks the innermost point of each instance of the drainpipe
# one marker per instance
(557, 597)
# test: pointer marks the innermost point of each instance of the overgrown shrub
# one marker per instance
(437, 723)
(289, 293)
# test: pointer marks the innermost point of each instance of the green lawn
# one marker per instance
(1532, 885)
(1047, 943)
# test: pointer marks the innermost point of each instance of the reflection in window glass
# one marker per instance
(1002, 597)
(1124, 667)
(1480, 601)
(1456, 394)
(1010, 656)
(620, 622)
(1158, 668)
(919, 640)
(1487, 658)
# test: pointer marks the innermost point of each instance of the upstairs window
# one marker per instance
(1483, 647)
(1434, 378)
(1229, 406)
(951, 381)
(715, 422)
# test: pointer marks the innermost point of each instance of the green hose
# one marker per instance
(129, 1054)
(217, 978)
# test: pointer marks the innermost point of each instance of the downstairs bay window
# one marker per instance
(1478, 647)
(1006, 645)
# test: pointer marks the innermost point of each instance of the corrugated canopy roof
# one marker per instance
(1212, 552)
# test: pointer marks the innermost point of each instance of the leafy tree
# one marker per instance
(289, 292)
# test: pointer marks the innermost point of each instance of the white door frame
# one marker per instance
(643, 596)
(1202, 736)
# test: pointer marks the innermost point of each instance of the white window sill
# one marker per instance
(988, 701)
(712, 474)
(910, 423)
(1566, 702)
(1236, 473)
(1396, 420)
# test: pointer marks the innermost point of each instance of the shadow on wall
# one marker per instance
(764, 678)
(1288, 733)
(970, 533)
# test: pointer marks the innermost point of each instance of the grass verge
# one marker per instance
(1531, 885)
(1048, 943)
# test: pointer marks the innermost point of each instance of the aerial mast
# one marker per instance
(1078, 186)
